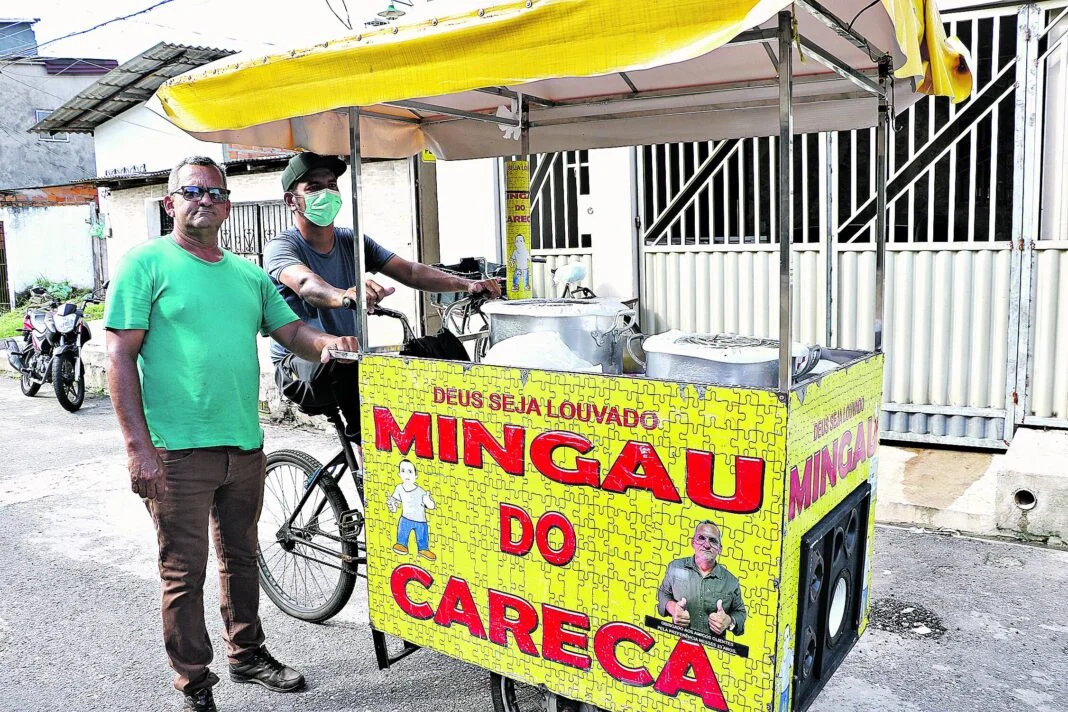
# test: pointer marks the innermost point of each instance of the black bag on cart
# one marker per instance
(443, 346)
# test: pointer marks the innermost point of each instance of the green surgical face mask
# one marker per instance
(322, 206)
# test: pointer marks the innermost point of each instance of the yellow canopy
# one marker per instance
(601, 73)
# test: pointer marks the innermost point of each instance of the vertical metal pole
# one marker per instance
(637, 200)
(786, 199)
(524, 127)
(356, 175)
(1026, 161)
(426, 231)
(831, 301)
(881, 138)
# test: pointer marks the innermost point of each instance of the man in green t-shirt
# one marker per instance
(182, 318)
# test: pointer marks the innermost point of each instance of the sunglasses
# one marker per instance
(194, 193)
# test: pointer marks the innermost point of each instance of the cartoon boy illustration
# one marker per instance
(520, 263)
(414, 502)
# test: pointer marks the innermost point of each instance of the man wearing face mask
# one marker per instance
(313, 267)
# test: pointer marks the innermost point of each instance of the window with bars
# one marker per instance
(40, 115)
(950, 170)
(249, 227)
(557, 182)
(724, 192)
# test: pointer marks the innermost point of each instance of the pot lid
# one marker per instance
(727, 348)
(600, 306)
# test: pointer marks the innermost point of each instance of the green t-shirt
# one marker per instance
(200, 373)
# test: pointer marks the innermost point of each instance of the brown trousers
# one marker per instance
(223, 487)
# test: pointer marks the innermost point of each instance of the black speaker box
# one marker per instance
(829, 595)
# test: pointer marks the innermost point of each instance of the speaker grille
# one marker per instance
(829, 603)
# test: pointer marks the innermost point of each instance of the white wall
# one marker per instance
(610, 215)
(466, 215)
(52, 242)
(138, 136)
(125, 219)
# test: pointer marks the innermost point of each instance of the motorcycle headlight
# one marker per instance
(65, 322)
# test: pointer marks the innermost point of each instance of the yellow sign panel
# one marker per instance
(617, 540)
(832, 444)
(517, 229)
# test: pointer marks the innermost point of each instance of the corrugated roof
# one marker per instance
(233, 169)
(125, 87)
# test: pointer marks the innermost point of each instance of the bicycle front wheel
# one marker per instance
(307, 568)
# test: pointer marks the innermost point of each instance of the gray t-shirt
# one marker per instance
(336, 267)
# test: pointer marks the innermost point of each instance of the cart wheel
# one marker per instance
(511, 696)
(302, 569)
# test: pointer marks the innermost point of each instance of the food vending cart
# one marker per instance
(548, 525)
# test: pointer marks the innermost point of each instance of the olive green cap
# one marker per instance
(303, 163)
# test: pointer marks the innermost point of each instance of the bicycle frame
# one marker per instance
(346, 458)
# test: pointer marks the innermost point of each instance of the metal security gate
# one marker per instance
(559, 191)
(953, 265)
(5, 286)
(1043, 353)
(251, 226)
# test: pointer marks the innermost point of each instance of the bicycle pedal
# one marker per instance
(351, 521)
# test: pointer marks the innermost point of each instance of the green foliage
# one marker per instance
(60, 291)
(10, 324)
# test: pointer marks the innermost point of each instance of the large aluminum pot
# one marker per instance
(592, 328)
(724, 359)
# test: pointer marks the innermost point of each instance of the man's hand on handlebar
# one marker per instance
(375, 293)
(340, 343)
(490, 288)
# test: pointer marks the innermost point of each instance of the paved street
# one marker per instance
(79, 620)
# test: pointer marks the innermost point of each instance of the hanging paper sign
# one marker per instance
(517, 229)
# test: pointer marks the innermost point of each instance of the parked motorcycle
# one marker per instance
(51, 350)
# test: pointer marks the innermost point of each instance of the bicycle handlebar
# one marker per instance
(349, 303)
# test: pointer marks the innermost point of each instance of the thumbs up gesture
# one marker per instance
(679, 614)
(718, 620)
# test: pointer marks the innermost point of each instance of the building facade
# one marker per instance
(31, 87)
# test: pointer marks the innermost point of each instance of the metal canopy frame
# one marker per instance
(786, 36)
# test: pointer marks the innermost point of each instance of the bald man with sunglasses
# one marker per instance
(182, 317)
(698, 592)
